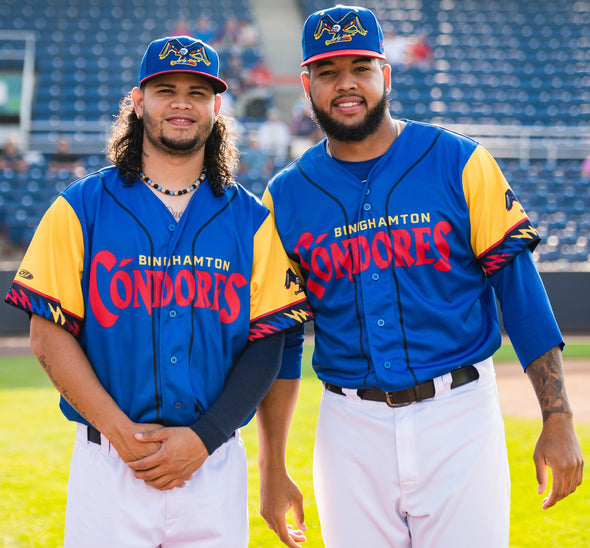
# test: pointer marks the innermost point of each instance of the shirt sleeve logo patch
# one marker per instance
(292, 278)
(510, 198)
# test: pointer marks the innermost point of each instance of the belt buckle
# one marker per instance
(391, 403)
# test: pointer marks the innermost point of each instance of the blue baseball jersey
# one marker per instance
(161, 308)
(396, 268)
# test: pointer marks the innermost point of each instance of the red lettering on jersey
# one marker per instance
(422, 245)
(127, 286)
(204, 284)
(305, 241)
(441, 229)
(402, 241)
(143, 289)
(134, 288)
(382, 238)
(317, 254)
(361, 253)
(167, 290)
(341, 258)
(234, 281)
(219, 282)
(103, 315)
(418, 246)
(187, 277)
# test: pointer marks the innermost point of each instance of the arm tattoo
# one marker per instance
(546, 375)
(62, 389)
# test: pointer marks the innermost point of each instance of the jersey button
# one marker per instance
(380, 323)
(172, 313)
(173, 360)
(171, 228)
(375, 276)
(368, 191)
(178, 404)
(367, 207)
(387, 365)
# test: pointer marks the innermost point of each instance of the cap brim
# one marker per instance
(341, 52)
(219, 86)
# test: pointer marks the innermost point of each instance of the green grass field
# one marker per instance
(36, 442)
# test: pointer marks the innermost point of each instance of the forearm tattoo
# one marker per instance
(546, 375)
(62, 389)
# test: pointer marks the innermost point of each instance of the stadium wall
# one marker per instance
(569, 293)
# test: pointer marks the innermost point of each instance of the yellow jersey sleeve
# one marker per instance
(277, 300)
(48, 281)
(500, 228)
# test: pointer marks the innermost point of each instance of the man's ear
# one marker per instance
(217, 105)
(137, 97)
(305, 83)
(386, 70)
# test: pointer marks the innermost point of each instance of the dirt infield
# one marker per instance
(517, 398)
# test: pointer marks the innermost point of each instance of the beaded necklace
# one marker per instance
(194, 186)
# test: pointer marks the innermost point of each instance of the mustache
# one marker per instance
(351, 133)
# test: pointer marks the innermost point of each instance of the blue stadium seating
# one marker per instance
(523, 62)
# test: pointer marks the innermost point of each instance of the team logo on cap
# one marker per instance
(185, 55)
(341, 31)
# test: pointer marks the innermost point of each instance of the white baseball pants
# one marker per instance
(108, 506)
(433, 474)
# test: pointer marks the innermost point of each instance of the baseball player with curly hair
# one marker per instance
(404, 235)
(158, 304)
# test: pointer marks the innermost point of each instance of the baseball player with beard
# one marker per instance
(404, 235)
(145, 282)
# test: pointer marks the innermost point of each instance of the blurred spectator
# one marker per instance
(256, 166)
(585, 168)
(304, 131)
(395, 47)
(274, 137)
(227, 36)
(181, 28)
(65, 160)
(10, 156)
(419, 52)
(248, 34)
(236, 75)
(255, 160)
(204, 30)
(228, 103)
(302, 124)
(260, 75)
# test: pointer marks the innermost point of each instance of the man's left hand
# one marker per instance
(559, 448)
(181, 454)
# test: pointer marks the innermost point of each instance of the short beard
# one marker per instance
(174, 147)
(358, 132)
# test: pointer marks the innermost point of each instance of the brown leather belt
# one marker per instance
(420, 392)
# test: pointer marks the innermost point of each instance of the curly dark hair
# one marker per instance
(124, 148)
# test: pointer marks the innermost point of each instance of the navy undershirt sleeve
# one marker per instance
(526, 311)
(246, 385)
(292, 353)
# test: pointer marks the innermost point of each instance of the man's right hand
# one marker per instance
(279, 493)
(128, 447)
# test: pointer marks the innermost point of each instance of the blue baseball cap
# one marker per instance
(181, 54)
(341, 30)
